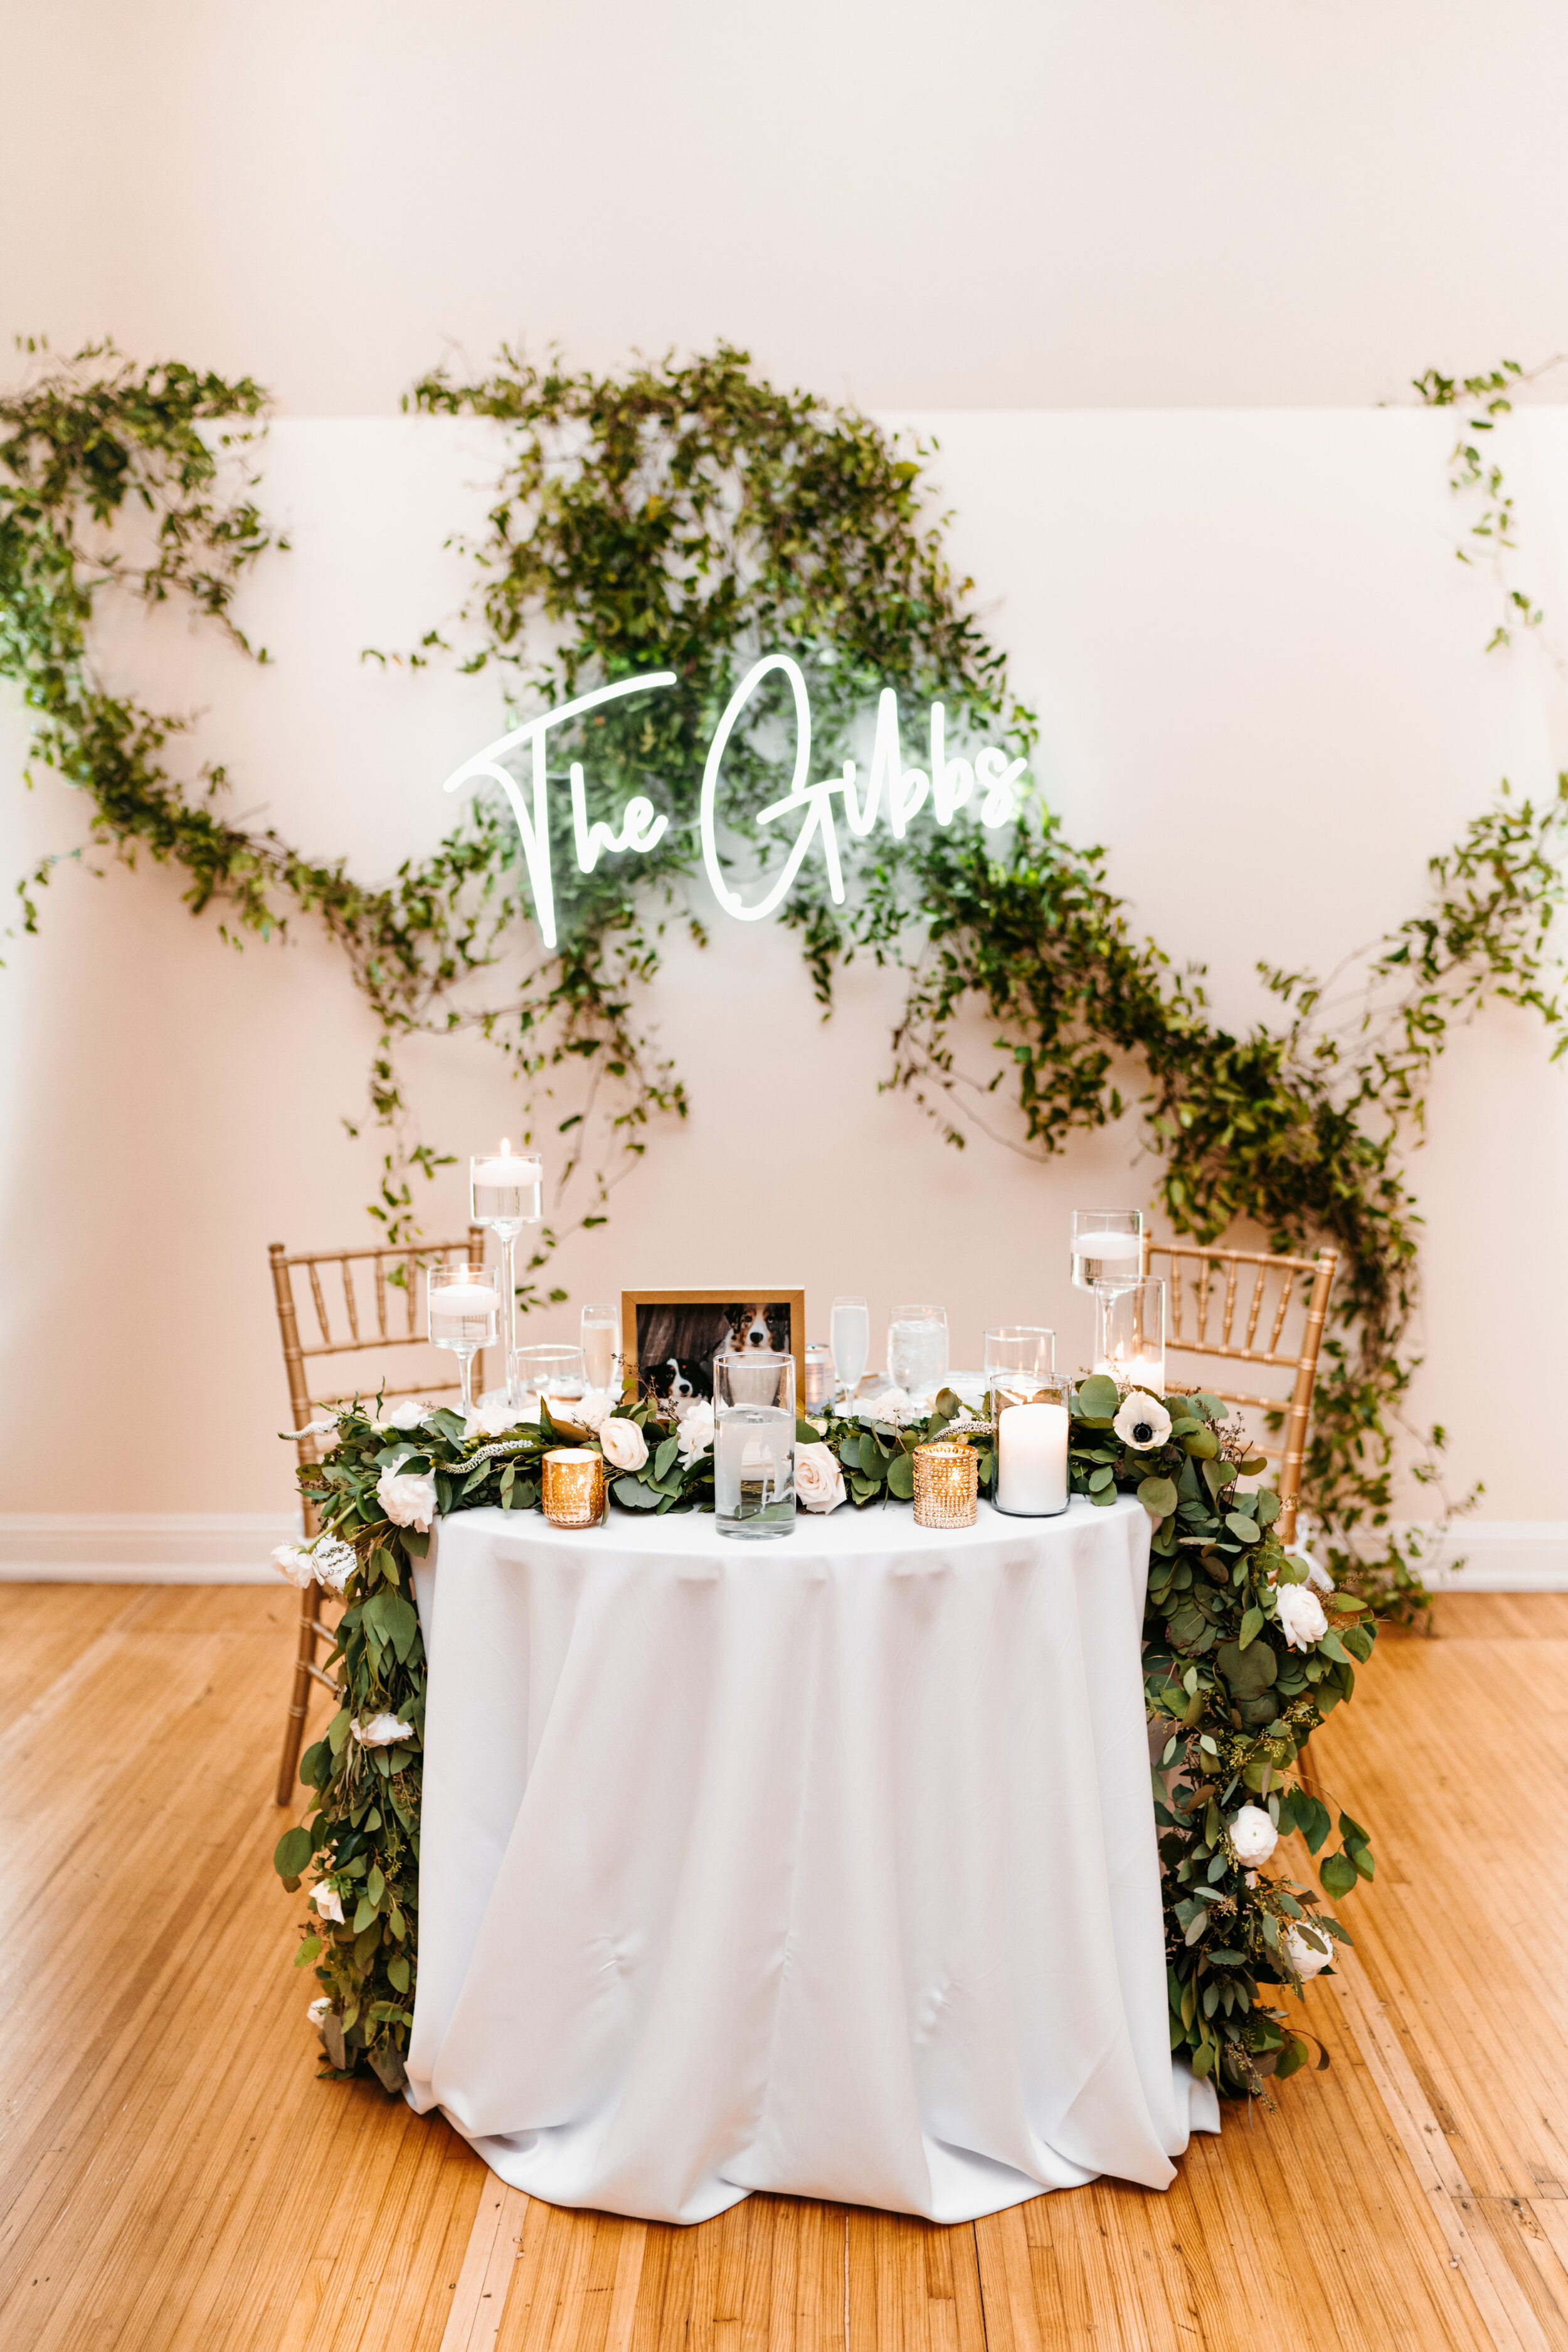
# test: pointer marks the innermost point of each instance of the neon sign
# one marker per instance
(890, 790)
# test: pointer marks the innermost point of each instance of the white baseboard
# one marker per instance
(143, 1547)
(235, 1548)
(1503, 1556)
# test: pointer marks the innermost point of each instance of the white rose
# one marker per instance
(696, 1432)
(1300, 1615)
(335, 1562)
(298, 1566)
(1142, 1422)
(818, 1480)
(406, 1413)
(623, 1444)
(382, 1731)
(1304, 1956)
(319, 2008)
(407, 1502)
(1253, 1836)
(495, 1419)
(328, 1902)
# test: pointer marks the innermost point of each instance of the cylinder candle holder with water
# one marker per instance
(463, 1307)
(1106, 1246)
(754, 1443)
(947, 1483)
(1032, 1447)
(575, 1494)
(552, 1378)
(1129, 1332)
(505, 1193)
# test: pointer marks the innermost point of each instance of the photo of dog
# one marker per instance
(673, 1339)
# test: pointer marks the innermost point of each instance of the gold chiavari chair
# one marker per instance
(1248, 1292)
(364, 1303)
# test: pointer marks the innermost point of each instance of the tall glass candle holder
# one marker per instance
(754, 1443)
(505, 1193)
(1019, 1358)
(1129, 1332)
(1106, 1246)
(1032, 1446)
(463, 1307)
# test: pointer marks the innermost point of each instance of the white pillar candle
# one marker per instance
(452, 1300)
(1032, 1460)
(1110, 1244)
(509, 1172)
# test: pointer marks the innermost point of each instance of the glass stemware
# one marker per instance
(1129, 1332)
(1106, 1246)
(462, 1306)
(917, 1349)
(600, 1345)
(850, 1335)
(505, 1190)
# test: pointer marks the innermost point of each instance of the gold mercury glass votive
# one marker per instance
(947, 1480)
(573, 1486)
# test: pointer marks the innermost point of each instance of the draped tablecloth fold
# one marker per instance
(824, 1865)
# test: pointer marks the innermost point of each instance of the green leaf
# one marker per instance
(901, 1477)
(1245, 1530)
(293, 1853)
(1252, 1624)
(1098, 1398)
(397, 1972)
(665, 1457)
(1294, 2054)
(634, 1497)
(1338, 1874)
(1158, 1495)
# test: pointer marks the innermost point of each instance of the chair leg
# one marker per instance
(294, 1728)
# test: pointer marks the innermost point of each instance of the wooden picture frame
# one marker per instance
(652, 1341)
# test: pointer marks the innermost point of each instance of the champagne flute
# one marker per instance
(463, 1307)
(601, 1339)
(850, 1341)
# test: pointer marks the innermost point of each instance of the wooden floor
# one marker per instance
(172, 2175)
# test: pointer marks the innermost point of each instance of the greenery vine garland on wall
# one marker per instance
(685, 516)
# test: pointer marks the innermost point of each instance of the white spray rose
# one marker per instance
(334, 1563)
(296, 1564)
(382, 1731)
(696, 1432)
(1142, 1422)
(406, 1413)
(890, 1410)
(593, 1408)
(496, 1419)
(1253, 1836)
(1301, 1615)
(623, 1444)
(319, 2008)
(1305, 1956)
(818, 1480)
(407, 1502)
(328, 1902)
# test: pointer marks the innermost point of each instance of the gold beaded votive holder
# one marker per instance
(573, 1486)
(947, 1483)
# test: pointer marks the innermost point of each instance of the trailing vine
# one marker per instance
(688, 517)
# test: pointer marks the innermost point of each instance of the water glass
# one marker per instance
(1107, 1245)
(462, 1304)
(600, 1345)
(1020, 1358)
(850, 1335)
(1129, 1332)
(754, 1443)
(917, 1349)
(551, 1376)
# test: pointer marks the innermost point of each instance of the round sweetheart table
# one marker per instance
(823, 1866)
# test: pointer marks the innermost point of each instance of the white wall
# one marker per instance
(1261, 684)
(1010, 202)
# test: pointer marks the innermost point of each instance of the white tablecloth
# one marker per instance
(824, 1865)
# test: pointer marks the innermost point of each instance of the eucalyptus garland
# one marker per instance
(1245, 1652)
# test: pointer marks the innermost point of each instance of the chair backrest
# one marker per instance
(361, 1301)
(1244, 1306)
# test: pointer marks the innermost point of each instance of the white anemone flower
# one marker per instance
(1142, 1422)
